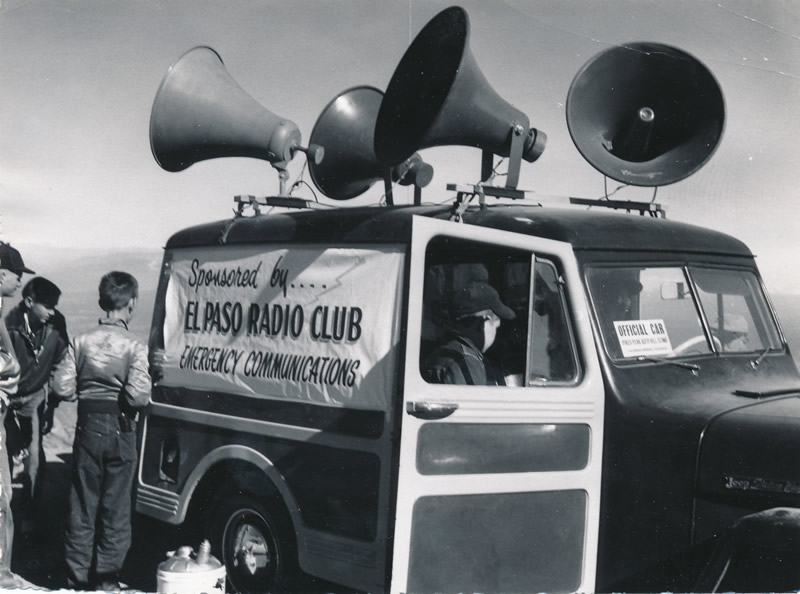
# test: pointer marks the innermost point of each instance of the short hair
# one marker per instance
(116, 290)
(42, 291)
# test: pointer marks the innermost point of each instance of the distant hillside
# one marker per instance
(75, 269)
(77, 272)
(788, 310)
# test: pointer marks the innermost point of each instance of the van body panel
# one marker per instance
(485, 448)
(665, 410)
(472, 542)
(289, 352)
(205, 441)
(738, 469)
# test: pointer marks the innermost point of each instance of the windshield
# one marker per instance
(674, 311)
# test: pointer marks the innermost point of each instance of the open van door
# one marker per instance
(499, 486)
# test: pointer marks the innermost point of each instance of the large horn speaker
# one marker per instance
(438, 96)
(346, 130)
(200, 112)
(645, 114)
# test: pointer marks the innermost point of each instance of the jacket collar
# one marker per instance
(113, 322)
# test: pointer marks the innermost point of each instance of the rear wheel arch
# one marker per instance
(234, 465)
(245, 506)
(230, 470)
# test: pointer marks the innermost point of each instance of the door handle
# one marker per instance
(431, 410)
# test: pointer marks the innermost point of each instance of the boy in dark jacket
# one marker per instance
(38, 333)
(107, 370)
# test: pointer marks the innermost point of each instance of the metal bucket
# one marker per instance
(187, 573)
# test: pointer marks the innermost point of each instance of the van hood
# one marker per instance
(748, 456)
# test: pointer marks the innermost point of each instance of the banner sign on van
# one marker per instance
(304, 324)
(639, 338)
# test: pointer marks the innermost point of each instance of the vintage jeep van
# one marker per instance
(643, 427)
(293, 412)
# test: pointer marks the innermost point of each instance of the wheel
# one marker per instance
(256, 545)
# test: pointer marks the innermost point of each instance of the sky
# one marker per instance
(78, 79)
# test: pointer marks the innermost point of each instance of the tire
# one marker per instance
(256, 545)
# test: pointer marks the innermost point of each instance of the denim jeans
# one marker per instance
(30, 417)
(99, 521)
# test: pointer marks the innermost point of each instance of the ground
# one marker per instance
(39, 560)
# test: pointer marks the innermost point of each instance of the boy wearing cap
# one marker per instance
(476, 312)
(39, 336)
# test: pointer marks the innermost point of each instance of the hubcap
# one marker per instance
(252, 552)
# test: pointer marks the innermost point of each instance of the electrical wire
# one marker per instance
(301, 182)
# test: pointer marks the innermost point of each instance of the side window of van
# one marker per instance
(480, 325)
(553, 356)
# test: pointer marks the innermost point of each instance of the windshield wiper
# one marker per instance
(757, 361)
(695, 369)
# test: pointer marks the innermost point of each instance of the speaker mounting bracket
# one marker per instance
(515, 155)
(466, 192)
(387, 188)
(494, 191)
(516, 150)
(257, 202)
(487, 165)
(654, 209)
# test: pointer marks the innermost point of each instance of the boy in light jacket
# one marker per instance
(106, 369)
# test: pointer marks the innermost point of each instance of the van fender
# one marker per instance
(238, 453)
(776, 530)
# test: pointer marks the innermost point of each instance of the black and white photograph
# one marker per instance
(404, 296)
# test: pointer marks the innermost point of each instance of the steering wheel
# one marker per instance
(692, 346)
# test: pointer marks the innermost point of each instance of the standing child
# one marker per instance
(107, 369)
(39, 334)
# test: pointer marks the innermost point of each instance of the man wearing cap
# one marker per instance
(476, 312)
(39, 335)
(11, 269)
(732, 330)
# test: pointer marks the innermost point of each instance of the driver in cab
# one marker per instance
(732, 330)
(476, 313)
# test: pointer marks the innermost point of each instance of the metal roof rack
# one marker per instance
(257, 202)
(466, 192)
(652, 208)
